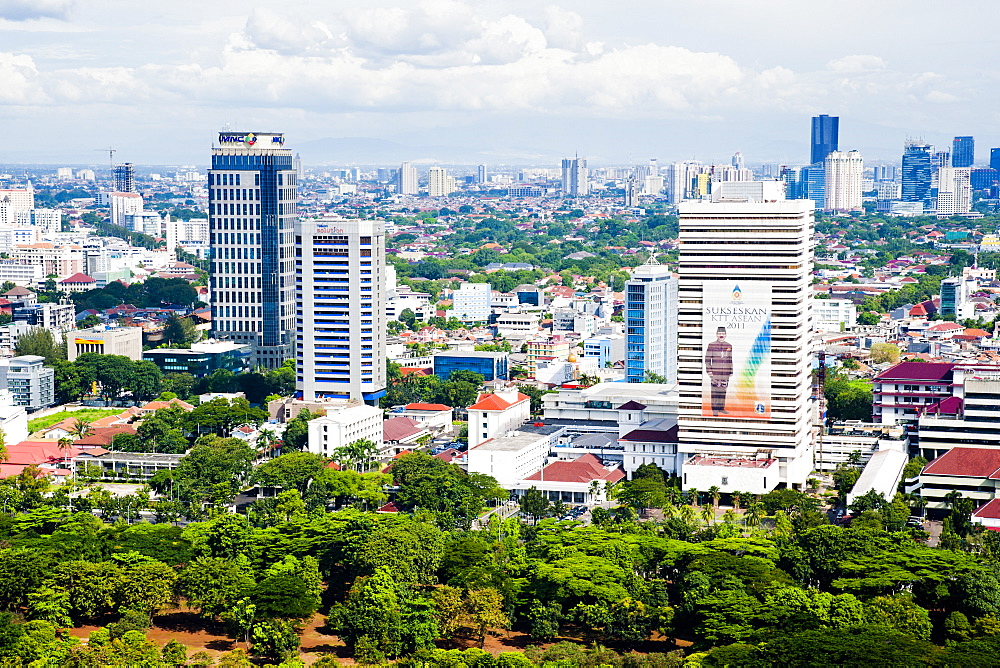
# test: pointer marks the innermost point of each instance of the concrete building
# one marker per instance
(743, 343)
(122, 205)
(439, 183)
(496, 413)
(971, 471)
(14, 201)
(29, 381)
(340, 309)
(512, 457)
(834, 315)
(842, 440)
(472, 302)
(406, 180)
(607, 349)
(203, 358)
(954, 194)
(105, 340)
(56, 317)
(651, 323)
(252, 209)
(596, 409)
(575, 178)
(344, 423)
(45, 221)
(844, 174)
(436, 418)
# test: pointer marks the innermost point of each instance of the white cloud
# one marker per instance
(856, 64)
(26, 10)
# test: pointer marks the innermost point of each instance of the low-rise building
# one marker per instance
(344, 423)
(492, 366)
(402, 433)
(497, 413)
(436, 418)
(54, 317)
(105, 340)
(738, 472)
(834, 315)
(203, 358)
(510, 459)
(972, 472)
(586, 479)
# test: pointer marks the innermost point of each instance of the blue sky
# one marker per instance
(518, 82)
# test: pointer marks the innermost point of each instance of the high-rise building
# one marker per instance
(680, 178)
(954, 191)
(825, 137)
(651, 323)
(340, 309)
(252, 209)
(574, 177)
(300, 172)
(14, 201)
(995, 159)
(472, 302)
(631, 191)
(844, 173)
(124, 178)
(737, 161)
(439, 184)
(916, 171)
(743, 342)
(814, 183)
(122, 205)
(46, 221)
(481, 175)
(963, 152)
(406, 179)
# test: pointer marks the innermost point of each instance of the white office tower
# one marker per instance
(680, 179)
(844, 176)
(406, 180)
(439, 184)
(748, 191)
(340, 309)
(300, 171)
(481, 174)
(743, 344)
(737, 161)
(64, 173)
(252, 209)
(954, 191)
(472, 302)
(122, 205)
(652, 184)
(651, 323)
(574, 177)
(14, 201)
(46, 221)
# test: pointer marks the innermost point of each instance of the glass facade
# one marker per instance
(963, 152)
(825, 137)
(916, 172)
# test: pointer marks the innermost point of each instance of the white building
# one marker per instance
(575, 181)
(406, 180)
(472, 302)
(512, 457)
(46, 221)
(13, 419)
(596, 408)
(14, 201)
(30, 382)
(17, 235)
(105, 340)
(343, 424)
(844, 175)
(436, 418)
(954, 191)
(340, 305)
(122, 205)
(439, 184)
(743, 339)
(834, 315)
(191, 235)
(496, 413)
(743, 191)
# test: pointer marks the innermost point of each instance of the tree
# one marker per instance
(146, 380)
(114, 373)
(212, 585)
(882, 353)
(41, 342)
(211, 463)
(535, 504)
(372, 614)
(292, 470)
(180, 330)
(486, 611)
(4, 455)
(869, 318)
(297, 431)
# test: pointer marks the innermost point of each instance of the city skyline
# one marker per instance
(516, 83)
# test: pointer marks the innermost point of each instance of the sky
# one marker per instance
(499, 81)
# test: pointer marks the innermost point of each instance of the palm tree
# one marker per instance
(673, 495)
(687, 514)
(729, 517)
(951, 498)
(715, 493)
(595, 487)
(4, 455)
(737, 500)
(266, 438)
(693, 496)
(753, 514)
(707, 514)
(669, 511)
(920, 503)
(81, 429)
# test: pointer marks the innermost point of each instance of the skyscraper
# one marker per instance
(916, 171)
(743, 344)
(844, 173)
(995, 159)
(252, 209)
(574, 177)
(439, 184)
(406, 180)
(963, 152)
(124, 178)
(825, 137)
(340, 309)
(651, 323)
(737, 161)
(481, 175)
(954, 191)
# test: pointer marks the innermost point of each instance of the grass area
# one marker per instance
(85, 414)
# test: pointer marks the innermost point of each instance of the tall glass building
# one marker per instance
(252, 209)
(825, 137)
(963, 152)
(651, 323)
(916, 171)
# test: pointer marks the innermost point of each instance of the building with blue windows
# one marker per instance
(916, 171)
(252, 209)
(340, 309)
(963, 152)
(825, 138)
(651, 323)
(493, 366)
(203, 358)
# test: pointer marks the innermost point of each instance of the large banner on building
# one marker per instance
(736, 344)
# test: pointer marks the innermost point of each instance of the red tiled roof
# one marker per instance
(581, 470)
(427, 407)
(989, 511)
(972, 462)
(489, 401)
(929, 371)
(949, 406)
(78, 277)
(416, 371)
(157, 405)
(944, 327)
(398, 428)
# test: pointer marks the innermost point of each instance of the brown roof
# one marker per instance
(581, 470)
(971, 462)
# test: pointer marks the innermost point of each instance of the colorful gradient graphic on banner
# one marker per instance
(736, 342)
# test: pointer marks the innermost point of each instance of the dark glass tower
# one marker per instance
(995, 159)
(825, 137)
(252, 209)
(963, 152)
(916, 171)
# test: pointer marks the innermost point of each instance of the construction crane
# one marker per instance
(111, 155)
